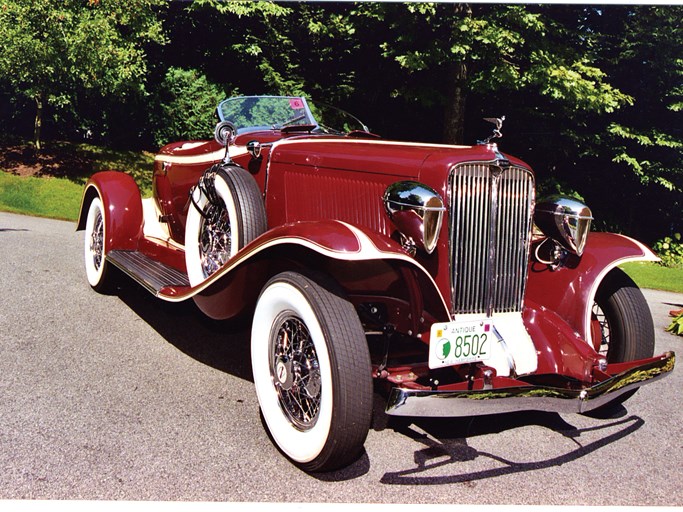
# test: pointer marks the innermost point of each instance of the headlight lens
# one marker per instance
(417, 211)
(565, 220)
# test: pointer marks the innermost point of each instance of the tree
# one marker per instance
(592, 93)
(262, 40)
(627, 162)
(451, 52)
(644, 52)
(186, 104)
(52, 50)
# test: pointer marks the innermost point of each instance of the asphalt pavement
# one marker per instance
(125, 397)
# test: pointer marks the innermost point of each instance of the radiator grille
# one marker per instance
(490, 234)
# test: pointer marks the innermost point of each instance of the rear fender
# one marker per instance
(122, 203)
(570, 291)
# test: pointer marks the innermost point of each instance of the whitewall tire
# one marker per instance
(215, 234)
(311, 369)
(97, 269)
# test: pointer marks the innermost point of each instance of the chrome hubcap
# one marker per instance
(97, 240)
(295, 371)
(214, 239)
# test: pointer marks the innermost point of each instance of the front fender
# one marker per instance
(570, 291)
(122, 203)
(360, 260)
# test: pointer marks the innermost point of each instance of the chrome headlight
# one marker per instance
(565, 220)
(417, 211)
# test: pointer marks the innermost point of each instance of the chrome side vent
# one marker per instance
(491, 209)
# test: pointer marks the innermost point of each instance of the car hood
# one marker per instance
(376, 156)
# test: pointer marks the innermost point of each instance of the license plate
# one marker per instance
(454, 343)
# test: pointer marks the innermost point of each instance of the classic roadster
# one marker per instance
(425, 272)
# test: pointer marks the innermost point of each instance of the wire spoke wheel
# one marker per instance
(600, 330)
(226, 213)
(295, 371)
(312, 372)
(100, 274)
(97, 240)
(215, 239)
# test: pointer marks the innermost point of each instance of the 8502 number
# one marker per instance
(470, 345)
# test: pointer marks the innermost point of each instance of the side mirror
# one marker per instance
(224, 133)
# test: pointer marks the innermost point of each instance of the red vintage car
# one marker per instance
(428, 272)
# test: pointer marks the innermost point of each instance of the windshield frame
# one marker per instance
(307, 121)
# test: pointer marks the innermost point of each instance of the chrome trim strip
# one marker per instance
(426, 403)
(492, 256)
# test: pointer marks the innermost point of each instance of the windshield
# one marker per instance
(250, 113)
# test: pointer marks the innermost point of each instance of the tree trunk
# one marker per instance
(37, 126)
(456, 93)
(454, 112)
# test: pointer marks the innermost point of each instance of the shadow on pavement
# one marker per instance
(445, 444)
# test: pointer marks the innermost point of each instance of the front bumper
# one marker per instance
(439, 403)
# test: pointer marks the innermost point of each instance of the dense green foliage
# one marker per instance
(52, 51)
(186, 103)
(592, 94)
(670, 250)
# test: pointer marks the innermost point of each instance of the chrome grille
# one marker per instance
(490, 232)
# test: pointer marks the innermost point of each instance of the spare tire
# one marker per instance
(226, 213)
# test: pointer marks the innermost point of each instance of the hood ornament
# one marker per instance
(498, 121)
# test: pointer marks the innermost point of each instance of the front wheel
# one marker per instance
(311, 370)
(622, 326)
(623, 329)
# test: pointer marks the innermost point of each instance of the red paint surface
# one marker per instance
(566, 291)
(123, 208)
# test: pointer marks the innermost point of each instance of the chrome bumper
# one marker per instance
(428, 403)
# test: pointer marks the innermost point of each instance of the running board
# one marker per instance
(151, 274)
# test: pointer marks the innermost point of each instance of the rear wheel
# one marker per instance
(311, 370)
(100, 273)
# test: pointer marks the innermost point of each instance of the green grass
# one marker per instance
(652, 275)
(57, 198)
(65, 167)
